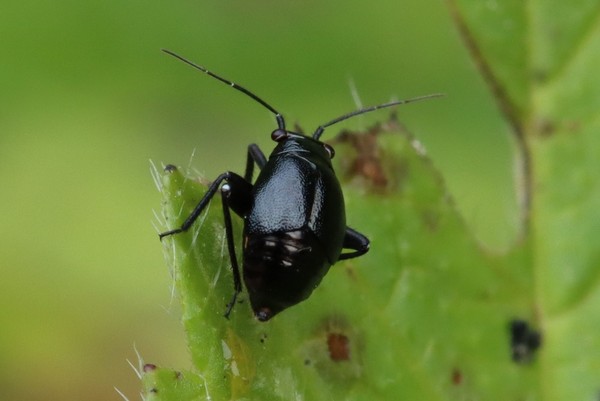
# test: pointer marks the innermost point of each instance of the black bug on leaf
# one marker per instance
(294, 216)
(524, 341)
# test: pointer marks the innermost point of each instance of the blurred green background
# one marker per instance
(87, 100)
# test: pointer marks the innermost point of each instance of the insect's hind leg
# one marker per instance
(356, 241)
(255, 155)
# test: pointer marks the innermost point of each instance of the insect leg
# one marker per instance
(237, 281)
(200, 206)
(236, 195)
(255, 155)
(356, 241)
(239, 200)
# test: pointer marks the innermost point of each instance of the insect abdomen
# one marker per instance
(282, 269)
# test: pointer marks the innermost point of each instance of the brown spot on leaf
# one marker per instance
(366, 163)
(339, 347)
(457, 376)
(334, 351)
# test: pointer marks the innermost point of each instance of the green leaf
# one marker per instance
(166, 384)
(551, 83)
(424, 308)
(425, 314)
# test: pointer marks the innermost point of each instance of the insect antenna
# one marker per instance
(321, 128)
(278, 117)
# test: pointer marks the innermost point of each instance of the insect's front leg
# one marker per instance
(236, 194)
(239, 203)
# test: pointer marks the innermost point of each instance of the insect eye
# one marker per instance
(329, 150)
(278, 135)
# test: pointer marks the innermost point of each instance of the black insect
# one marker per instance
(294, 217)
(524, 341)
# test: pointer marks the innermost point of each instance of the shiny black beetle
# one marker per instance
(294, 216)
